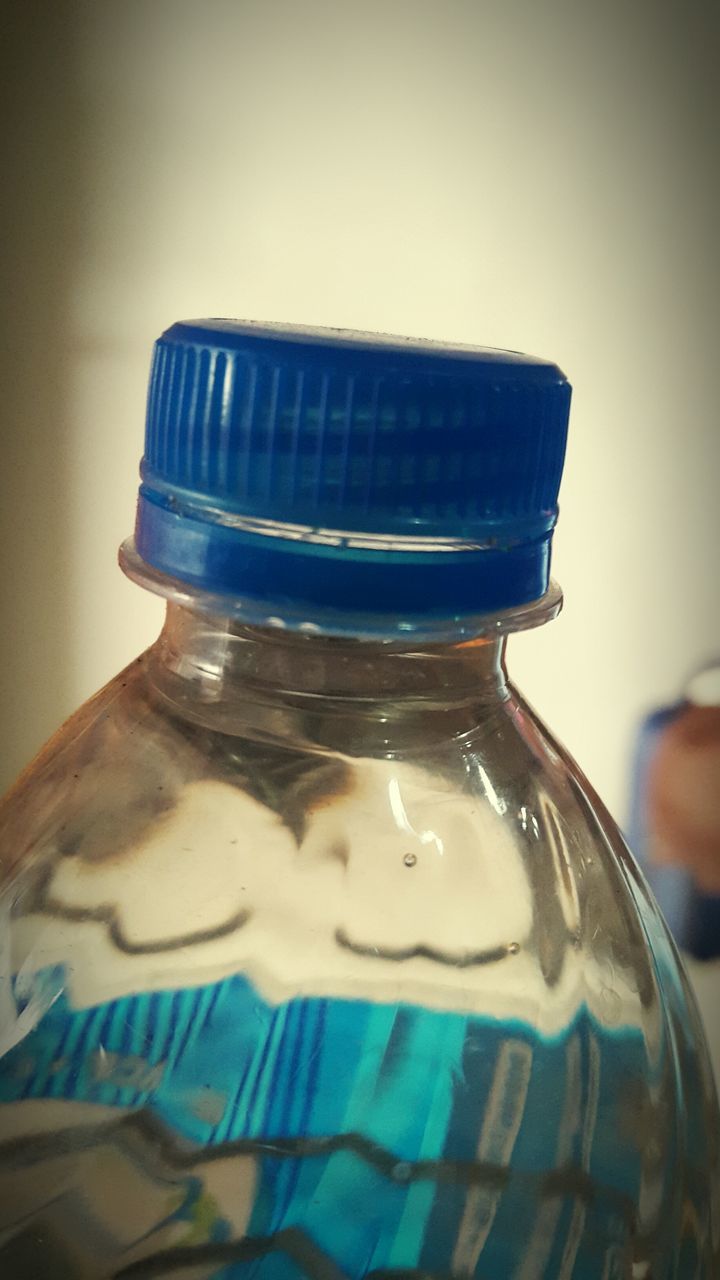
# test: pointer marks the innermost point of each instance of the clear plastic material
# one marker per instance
(322, 960)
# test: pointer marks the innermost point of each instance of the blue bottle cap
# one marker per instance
(320, 473)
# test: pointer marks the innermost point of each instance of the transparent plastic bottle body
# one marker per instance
(321, 959)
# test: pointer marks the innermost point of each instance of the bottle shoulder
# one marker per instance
(55, 778)
(481, 863)
(130, 751)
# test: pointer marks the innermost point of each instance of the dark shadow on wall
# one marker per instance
(41, 192)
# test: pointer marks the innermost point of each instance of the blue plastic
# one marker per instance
(693, 916)
(318, 469)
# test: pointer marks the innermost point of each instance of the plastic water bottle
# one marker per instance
(322, 961)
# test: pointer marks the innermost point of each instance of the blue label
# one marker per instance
(375, 1140)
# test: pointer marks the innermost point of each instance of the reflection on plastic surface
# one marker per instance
(275, 1010)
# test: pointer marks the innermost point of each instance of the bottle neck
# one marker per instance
(236, 679)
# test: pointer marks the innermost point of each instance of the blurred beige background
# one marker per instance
(541, 176)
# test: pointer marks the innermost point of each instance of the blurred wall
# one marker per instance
(540, 176)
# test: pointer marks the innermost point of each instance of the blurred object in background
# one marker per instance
(675, 822)
(683, 791)
(674, 830)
